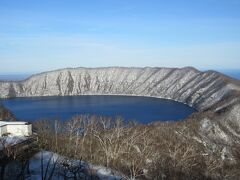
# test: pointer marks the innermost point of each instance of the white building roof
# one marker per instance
(3, 123)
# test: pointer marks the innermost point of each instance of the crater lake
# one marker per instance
(142, 109)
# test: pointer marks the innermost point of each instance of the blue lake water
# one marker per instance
(142, 109)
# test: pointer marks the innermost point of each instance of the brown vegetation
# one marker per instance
(158, 151)
(5, 114)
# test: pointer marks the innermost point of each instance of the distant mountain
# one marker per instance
(13, 77)
(232, 73)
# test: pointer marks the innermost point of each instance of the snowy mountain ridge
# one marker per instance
(201, 90)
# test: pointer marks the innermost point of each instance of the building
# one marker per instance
(15, 128)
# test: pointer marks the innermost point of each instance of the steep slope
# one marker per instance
(201, 90)
(5, 114)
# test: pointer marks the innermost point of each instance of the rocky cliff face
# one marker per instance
(201, 90)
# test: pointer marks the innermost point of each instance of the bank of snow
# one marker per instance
(11, 140)
(52, 165)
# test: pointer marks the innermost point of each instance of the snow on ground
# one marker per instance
(105, 173)
(3, 123)
(63, 165)
(44, 163)
(11, 140)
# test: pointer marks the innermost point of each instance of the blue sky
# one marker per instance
(50, 34)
